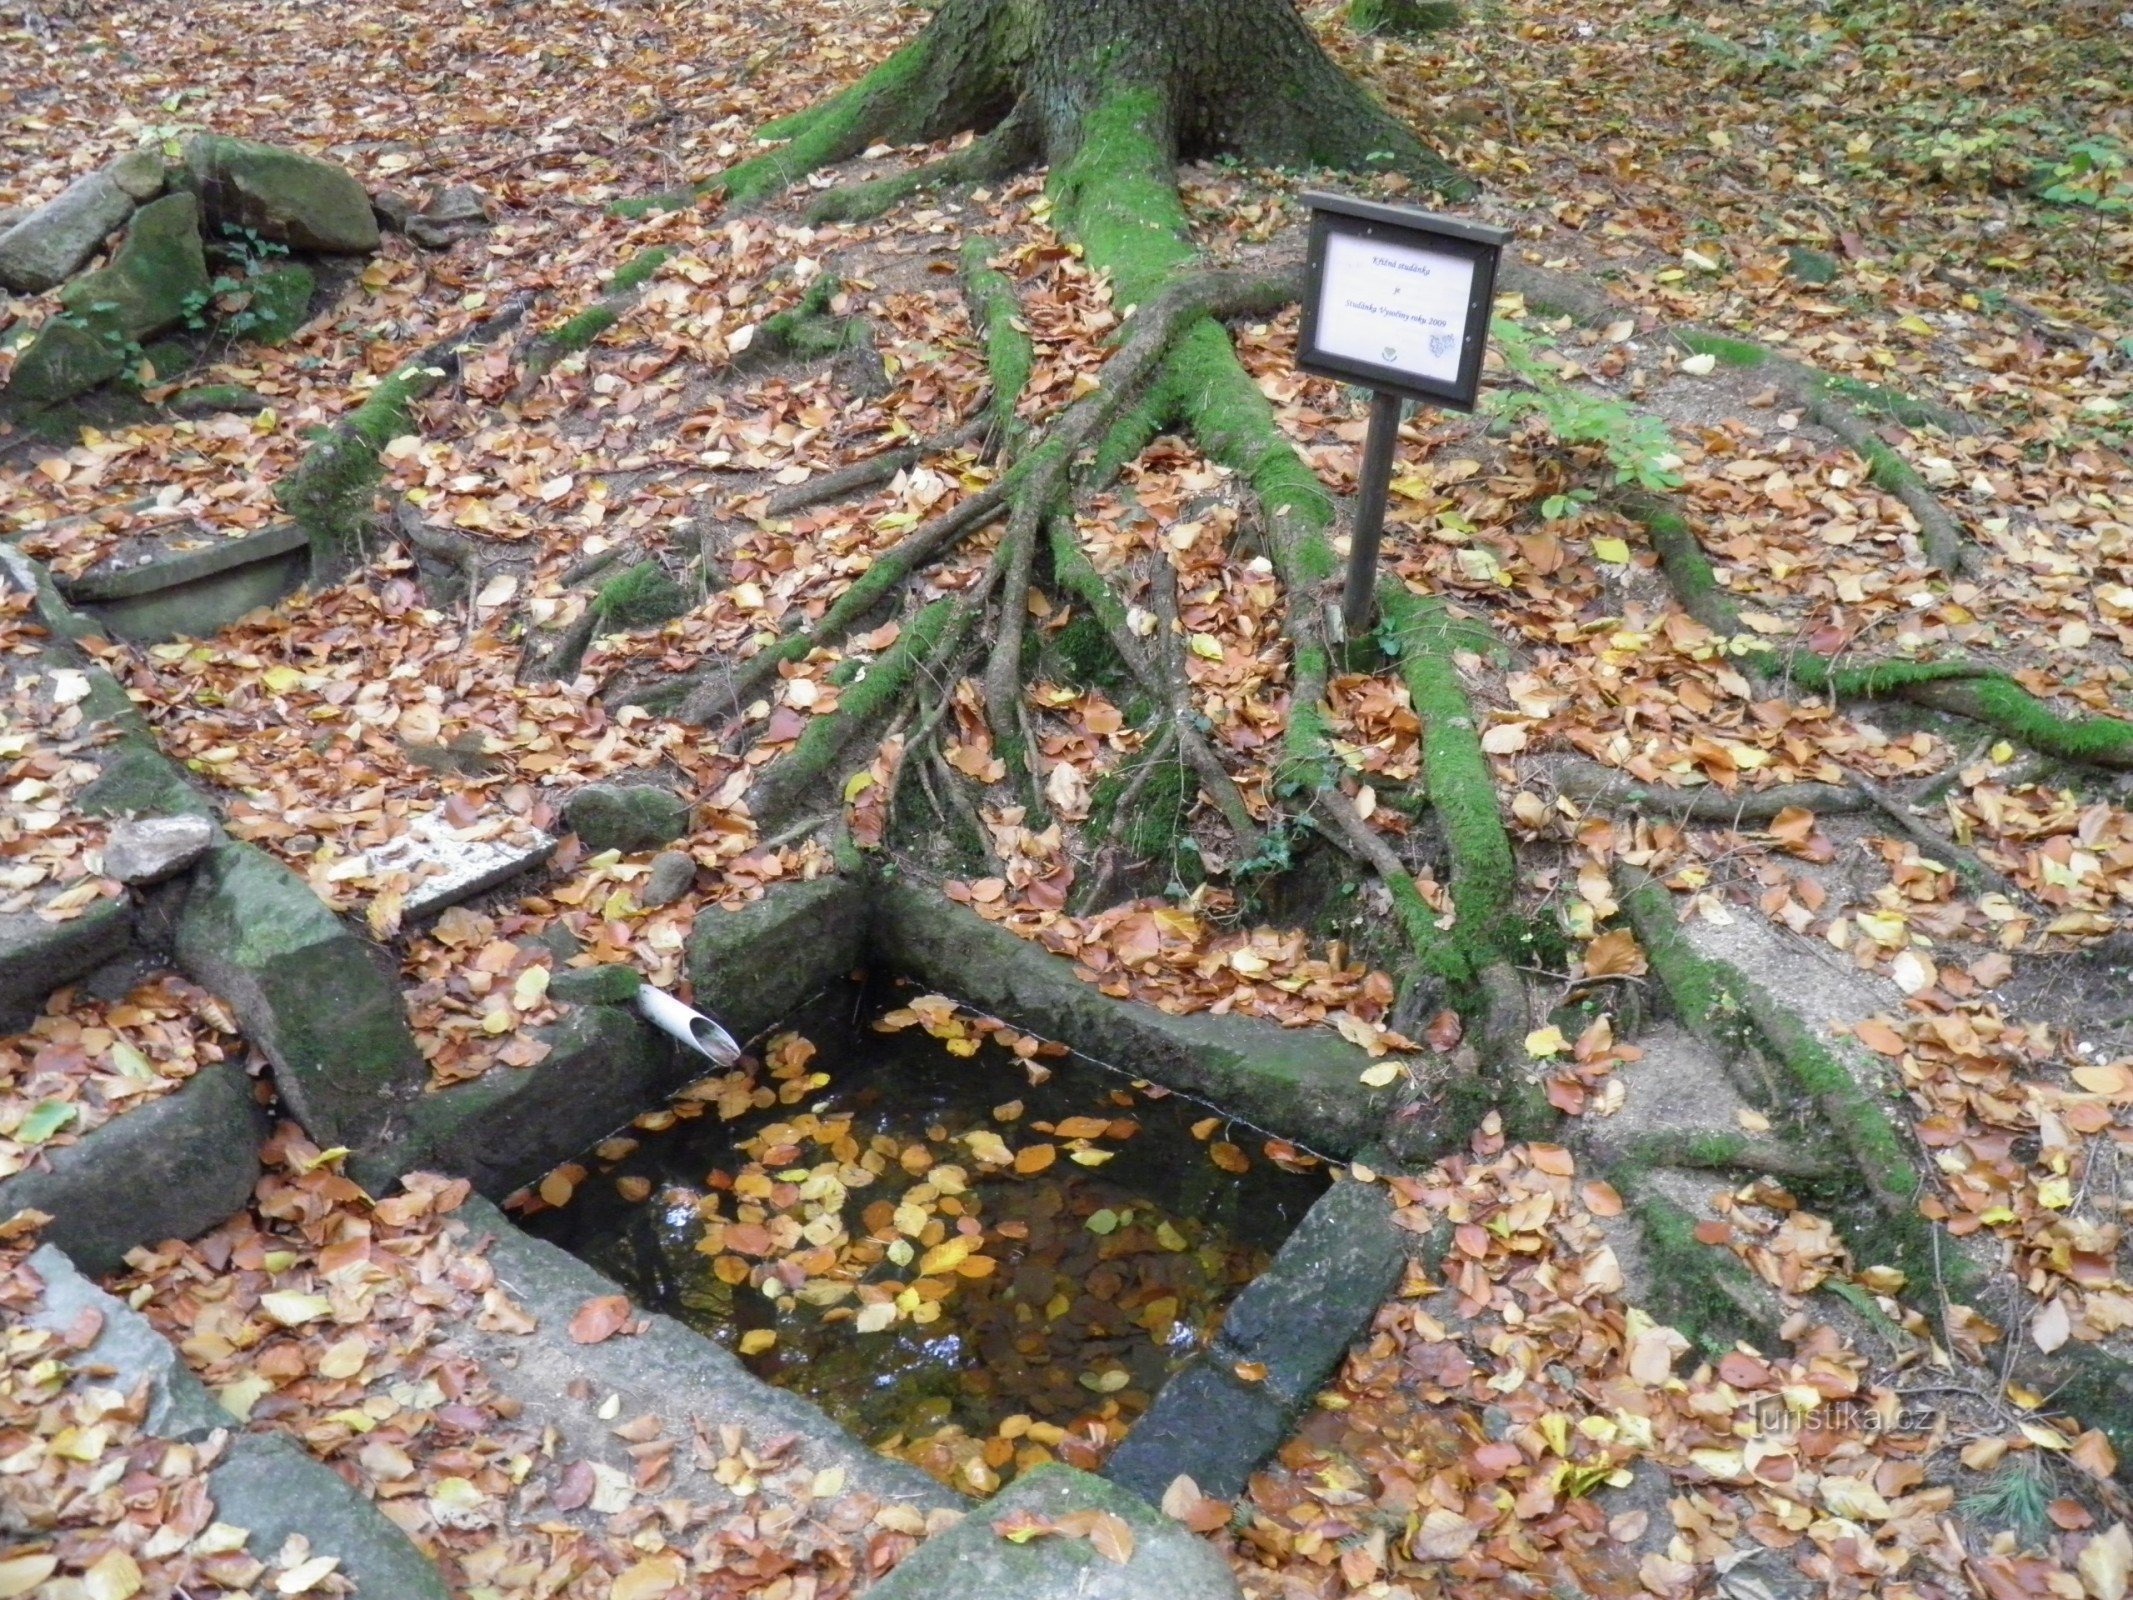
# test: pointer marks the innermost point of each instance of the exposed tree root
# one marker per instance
(330, 492)
(1965, 689)
(1006, 150)
(1721, 1004)
(1010, 354)
(1610, 789)
(870, 473)
(580, 332)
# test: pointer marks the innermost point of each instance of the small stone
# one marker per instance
(140, 173)
(150, 849)
(49, 245)
(673, 875)
(611, 985)
(457, 203)
(1810, 267)
(430, 235)
(628, 817)
(392, 210)
(210, 398)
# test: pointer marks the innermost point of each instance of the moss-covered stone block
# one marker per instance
(610, 985)
(64, 360)
(156, 278)
(280, 195)
(1810, 266)
(319, 1001)
(753, 967)
(37, 956)
(626, 816)
(279, 304)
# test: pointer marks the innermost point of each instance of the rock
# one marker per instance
(280, 304)
(156, 278)
(448, 867)
(320, 1002)
(265, 1484)
(170, 1168)
(457, 203)
(753, 967)
(673, 875)
(37, 956)
(48, 246)
(150, 849)
(1208, 1424)
(430, 235)
(140, 173)
(291, 199)
(64, 360)
(1298, 1318)
(1811, 266)
(505, 1129)
(611, 984)
(391, 210)
(629, 817)
(972, 1562)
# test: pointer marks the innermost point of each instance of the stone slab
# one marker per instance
(1298, 1318)
(167, 571)
(1207, 1424)
(667, 1369)
(44, 249)
(37, 956)
(971, 1561)
(754, 967)
(169, 1169)
(200, 607)
(1302, 1084)
(504, 1130)
(448, 867)
(323, 1004)
(265, 1483)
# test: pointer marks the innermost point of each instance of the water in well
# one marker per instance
(975, 1251)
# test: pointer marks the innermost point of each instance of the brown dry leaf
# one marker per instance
(600, 1319)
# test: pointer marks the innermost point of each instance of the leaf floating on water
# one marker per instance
(1229, 1157)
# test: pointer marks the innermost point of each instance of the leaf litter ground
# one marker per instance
(1466, 1444)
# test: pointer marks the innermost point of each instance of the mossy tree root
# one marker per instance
(1704, 1290)
(1723, 1005)
(1837, 405)
(873, 471)
(1962, 688)
(1001, 153)
(863, 704)
(1010, 353)
(330, 493)
(1611, 789)
(581, 331)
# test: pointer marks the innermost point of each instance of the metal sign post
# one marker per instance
(1397, 301)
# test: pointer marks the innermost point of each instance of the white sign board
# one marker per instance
(1394, 305)
(1397, 300)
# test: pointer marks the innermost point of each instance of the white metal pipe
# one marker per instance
(687, 1025)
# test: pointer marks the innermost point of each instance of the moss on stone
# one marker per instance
(1729, 352)
(1403, 19)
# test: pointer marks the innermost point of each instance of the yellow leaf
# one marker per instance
(305, 1576)
(946, 1256)
(20, 1574)
(1382, 1075)
(280, 680)
(756, 1340)
(1542, 1043)
(1615, 552)
(344, 1358)
(292, 1309)
(857, 784)
(113, 1577)
(530, 986)
(2105, 1564)
(651, 1578)
(1206, 645)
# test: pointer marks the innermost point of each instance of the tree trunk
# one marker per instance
(1242, 78)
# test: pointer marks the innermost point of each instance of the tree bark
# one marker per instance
(1243, 78)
